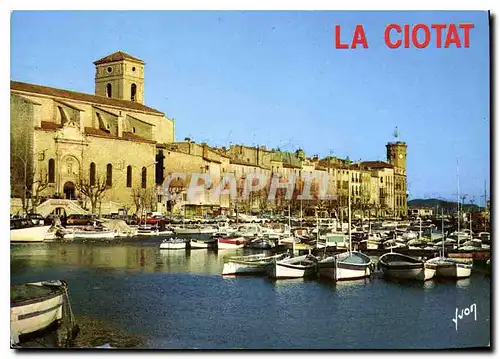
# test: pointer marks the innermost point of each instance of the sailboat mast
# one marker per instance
(289, 220)
(458, 208)
(442, 229)
(349, 211)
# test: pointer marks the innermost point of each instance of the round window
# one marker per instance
(133, 69)
(110, 69)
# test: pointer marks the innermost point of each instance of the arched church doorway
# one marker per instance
(69, 190)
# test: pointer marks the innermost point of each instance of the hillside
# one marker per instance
(434, 203)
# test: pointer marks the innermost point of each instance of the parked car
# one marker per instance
(79, 219)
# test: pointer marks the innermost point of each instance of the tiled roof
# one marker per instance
(79, 96)
(129, 136)
(376, 164)
(117, 56)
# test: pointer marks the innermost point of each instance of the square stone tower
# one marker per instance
(120, 76)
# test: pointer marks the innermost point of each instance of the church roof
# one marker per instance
(79, 96)
(117, 56)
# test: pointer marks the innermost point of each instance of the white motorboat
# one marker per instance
(296, 267)
(346, 266)
(231, 243)
(35, 306)
(24, 230)
(252, 264)
(173, 243)
(400, 266)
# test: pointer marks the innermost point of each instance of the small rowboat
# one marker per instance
(35, 306)
(400, 266)
(253, 264)
(296, 267)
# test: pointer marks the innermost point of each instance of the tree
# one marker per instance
(93, 190)
(144, 199)
(27, 181)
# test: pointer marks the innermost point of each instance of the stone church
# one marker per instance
(73, 140)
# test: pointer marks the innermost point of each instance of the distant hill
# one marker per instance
(434, 202)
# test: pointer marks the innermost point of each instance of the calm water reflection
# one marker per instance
(177, 299)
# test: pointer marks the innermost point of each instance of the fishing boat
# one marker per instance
(346, 266)
(24, 230)
(231, 243)
(252, 264)
(173, 243)
(201, 244)
(35, 306)
(449, 267)
(262, 243)
(296, 267)
(400, 266)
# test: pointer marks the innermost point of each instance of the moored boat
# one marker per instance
(252, 264)
(296, 267)
(231, 243)
(346, 266)
(35, 306)
(400, 266)
(24, 230)
(200, 244)
(450, 268)
(173, 243)
(93, 233)
(194, 230)
(262, 243)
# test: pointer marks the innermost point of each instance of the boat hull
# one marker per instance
(420, 274)
(30, 234)
(34, 314)
(235, 243)
(93, 235)
(193, 244)
(173, 245)
(452, 271)
(234, 268)
(343, 271)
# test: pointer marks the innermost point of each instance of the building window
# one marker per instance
(52, 170)
(92, 174)
(129, 176)
(133, 91)
(109, 175)
(109, 90)
(144, 177)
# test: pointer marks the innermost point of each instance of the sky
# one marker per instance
(275, 78)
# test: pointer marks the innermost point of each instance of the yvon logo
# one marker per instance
(464, 312)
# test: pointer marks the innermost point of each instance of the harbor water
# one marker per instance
(177, 299)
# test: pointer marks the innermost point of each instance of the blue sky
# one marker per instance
(275, 79)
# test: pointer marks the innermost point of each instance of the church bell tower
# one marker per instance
(120, 76)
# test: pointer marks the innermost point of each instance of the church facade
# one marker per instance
(76, 142)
